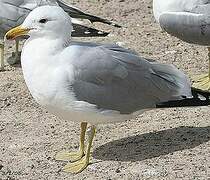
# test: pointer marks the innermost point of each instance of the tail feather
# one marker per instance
(84, 31)
(200, 98)
(76, 13)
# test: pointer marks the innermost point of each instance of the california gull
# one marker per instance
(93, 83)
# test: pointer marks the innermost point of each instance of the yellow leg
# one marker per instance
(1, 57)
(79, 166)
(203, 81)
(74, 156)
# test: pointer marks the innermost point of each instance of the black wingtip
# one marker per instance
(77, 13)
(200, 98)
(105, 21)
(84, 31)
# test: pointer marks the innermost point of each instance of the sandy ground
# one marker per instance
(160, 144)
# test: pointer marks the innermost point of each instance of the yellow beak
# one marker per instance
(16, 32)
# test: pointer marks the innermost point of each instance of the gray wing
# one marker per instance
(76, 13)
(192, 26)
(14, 12)
(113, 78)
(11, 14)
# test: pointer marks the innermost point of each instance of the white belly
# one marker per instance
(90, 117)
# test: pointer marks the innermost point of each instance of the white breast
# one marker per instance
(45, 79)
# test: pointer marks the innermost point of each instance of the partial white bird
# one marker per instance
(188, 20)
(13, 13)
(93, 83)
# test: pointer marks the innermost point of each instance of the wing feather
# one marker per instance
(113, 78)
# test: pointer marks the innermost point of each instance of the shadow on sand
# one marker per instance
(154, 144)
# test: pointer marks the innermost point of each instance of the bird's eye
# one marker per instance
(43, 21)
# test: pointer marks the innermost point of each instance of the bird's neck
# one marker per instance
(43, 46)
(39, 52)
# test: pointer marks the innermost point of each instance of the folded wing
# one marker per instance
(111, 77)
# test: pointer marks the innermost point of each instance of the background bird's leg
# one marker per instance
(203, 81)
(15, 58)
(80, 165)
(74, 156)
(209, 60)
(16, 47)
(1, 56)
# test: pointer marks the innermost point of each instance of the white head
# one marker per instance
(44, 21)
